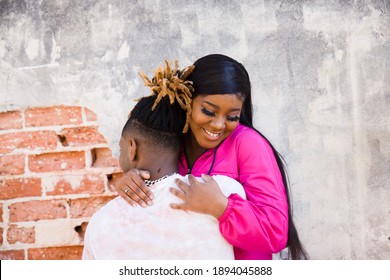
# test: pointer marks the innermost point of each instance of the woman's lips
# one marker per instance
(212, 135)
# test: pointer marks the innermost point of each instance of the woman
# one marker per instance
(222, 140)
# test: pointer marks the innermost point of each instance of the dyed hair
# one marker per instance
(220, 74)
(171, 82)
(162, 117)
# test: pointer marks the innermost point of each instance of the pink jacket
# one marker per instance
(256, 227)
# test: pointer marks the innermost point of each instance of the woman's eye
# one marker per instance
(233, 119)
(208, 113)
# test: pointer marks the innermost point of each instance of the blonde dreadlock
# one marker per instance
(172, 83)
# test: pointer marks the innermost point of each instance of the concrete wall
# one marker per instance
(320, 75)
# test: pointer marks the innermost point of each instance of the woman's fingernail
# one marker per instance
(149, 203)
(143, 204)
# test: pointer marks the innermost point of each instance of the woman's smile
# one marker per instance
(213, 136)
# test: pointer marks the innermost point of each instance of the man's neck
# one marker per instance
(161, 172)
(161, 165)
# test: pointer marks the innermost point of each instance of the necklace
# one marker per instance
(149, 183)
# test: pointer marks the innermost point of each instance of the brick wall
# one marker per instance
(55, 172)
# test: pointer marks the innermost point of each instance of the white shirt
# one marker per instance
(119, 231)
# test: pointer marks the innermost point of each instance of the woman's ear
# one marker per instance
(132, 151)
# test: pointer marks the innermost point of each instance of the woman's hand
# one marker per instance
(131, 187)
(205, 198)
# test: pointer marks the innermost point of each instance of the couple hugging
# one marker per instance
(215, 188)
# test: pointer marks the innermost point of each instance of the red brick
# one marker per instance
(12, 255)
(55, 253)
(90, 116)
(86, 207)
(1, 212)
(77, 184)
(56, 161)
(1, 236)
(11, 165)
(20, 234)
(81, 136)
(21, 187)
(37, 210)
(56, 115)
(102, 157)
(31, 140)
(11, 120)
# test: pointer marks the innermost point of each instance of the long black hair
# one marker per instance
(220, 74)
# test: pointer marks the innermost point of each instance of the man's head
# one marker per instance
(151, 134)
(151, 137)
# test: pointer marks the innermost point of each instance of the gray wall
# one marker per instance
(320, 76)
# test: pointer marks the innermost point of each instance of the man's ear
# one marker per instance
(132, 151)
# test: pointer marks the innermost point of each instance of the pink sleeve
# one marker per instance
(259, 224)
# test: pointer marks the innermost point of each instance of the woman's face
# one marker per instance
(214, 117)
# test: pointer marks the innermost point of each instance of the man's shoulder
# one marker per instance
(227, 184)
(111, 208)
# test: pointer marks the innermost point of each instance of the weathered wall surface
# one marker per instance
(320, 76)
